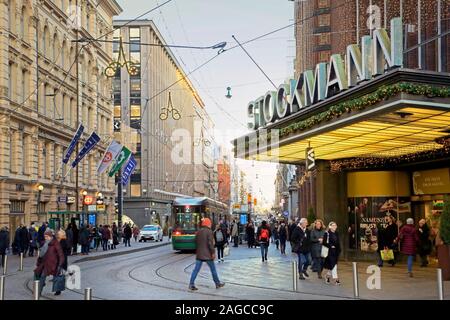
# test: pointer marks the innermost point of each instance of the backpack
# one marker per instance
(264, 235)
(219, 236)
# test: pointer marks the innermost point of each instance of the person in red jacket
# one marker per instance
(409, 239)
(50, 259)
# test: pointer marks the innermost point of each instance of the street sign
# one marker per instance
(70, 200)
(310, 159)
(101, 207)
(92, 208)
(63, 199)
(285, 213)
(236, 206)
(88, 200)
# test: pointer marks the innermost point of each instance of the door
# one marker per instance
(15, 220)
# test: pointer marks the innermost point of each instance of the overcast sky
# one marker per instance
(207, 22)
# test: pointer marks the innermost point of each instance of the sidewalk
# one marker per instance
(244, 267)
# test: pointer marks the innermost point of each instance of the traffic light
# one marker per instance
(254, 202)
(116, 207)
(249, 198)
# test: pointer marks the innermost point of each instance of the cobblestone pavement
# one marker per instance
(161, 273)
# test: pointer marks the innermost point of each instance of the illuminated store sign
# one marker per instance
(362, 62)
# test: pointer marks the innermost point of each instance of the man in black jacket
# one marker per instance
(301, 239)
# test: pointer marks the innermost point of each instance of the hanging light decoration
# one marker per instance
(164, 115)
(121, 62)
(228, 95)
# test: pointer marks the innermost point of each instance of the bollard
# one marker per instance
(21, 262)
(36, 292)
(2, 287)
(440, 285)
(88, 294)
(355, 280)
(294, 276)
(5, 265)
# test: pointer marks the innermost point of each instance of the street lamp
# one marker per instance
(40, 189)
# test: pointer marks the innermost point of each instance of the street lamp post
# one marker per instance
(40, 189)
(84, 194)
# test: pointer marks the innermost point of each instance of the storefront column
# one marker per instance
(332, 199)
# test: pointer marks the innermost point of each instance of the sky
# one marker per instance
(208, 22)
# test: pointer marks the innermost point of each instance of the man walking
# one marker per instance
(127, 234)
(235, 233)
(264, 235)
(301, 238)
(204, 241)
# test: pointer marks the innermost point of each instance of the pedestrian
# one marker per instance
(75, 232)
(301, 237)
(283, 233)
(41, 232)
(115, 236)
(4, 244)
(408, 239)
(69, 238)
(317, 234)
(24, 240)
(204, 241)
(292, 226)
(235, 233)
(106, 235)
(250, 234)
(50, 259)
(33, 240)
(61, 236)
(276, 236)
(331, 241)
(83, 238)
(127, 234)
(424, 242)
(136, 232)
(220, 241)
(389, 235)
(263, 237)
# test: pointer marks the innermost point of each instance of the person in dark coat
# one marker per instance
(301, 237)
(389, 236)
(424, 242)
(220, 240)
(250, 234)
(66, 249)
(33, 240)
(24, 240)
(276, 236)
(127, 234)
(41, 232)
(331, 241)
(263, 236)
(283, 233)
(83, 238)
(69, 237)
(106, 235)
(75, 233)
(408, 238)
(50, 259)
(115, 236)
(316, 247)
(4, 243)
(204, 240)
(292, 226)
(16, 245)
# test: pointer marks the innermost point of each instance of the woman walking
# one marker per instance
(317, 234)
(250, 233)
(66, 249)
(50, 259)
(283, 235)
(220, 241)
(425, 242)
(136, 232)
(331, 241)
(408, 239)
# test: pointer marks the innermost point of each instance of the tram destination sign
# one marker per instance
(375, 55)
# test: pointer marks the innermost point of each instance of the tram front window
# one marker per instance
(188, 218)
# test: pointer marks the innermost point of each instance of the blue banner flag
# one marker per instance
(73, 144)
(88, 146)
(128, 170)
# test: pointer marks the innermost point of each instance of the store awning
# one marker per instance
(399, 125)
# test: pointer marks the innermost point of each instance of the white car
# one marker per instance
(151, 232)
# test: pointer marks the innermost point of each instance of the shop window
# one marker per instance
(135, 190)
(117, 109)
(135, 111)
(17, 206)
(135, 85)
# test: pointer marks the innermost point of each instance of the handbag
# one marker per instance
(387, 254)
(59, 283)
(324, 252)
(226, 251)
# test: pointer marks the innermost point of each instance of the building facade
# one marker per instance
(160, 116)
(38, 107)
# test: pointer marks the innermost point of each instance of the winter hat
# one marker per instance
(206, 222)
(410, 221)
(49, 232)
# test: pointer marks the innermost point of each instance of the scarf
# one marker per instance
(44, 249)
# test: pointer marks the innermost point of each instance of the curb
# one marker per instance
(104, 256)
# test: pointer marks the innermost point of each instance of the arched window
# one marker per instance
(54, 46)
(63, 54)
(45, 41)
(11, 15)
(22, 22)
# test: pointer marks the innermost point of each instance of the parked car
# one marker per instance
(151, 232)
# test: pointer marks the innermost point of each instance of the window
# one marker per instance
(135, 85)
(324, 56)
(135, 190)
(63, 107)
(11, 151)
(323, 4)
(17, 206)
(324, 20)
(22, 23)
(45, 41)
(24, 85)
(25, 154)
(117, 111)
(55, 111)
(324, 38)
(135, 111)
(63, 54)
(10, 81)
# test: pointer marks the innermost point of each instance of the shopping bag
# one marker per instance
(324, 252)
(387, 254)
(226, 251)
(59, 283)
(78, 248)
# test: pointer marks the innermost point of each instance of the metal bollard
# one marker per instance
(355, 280)
(5, 265)
(36, 292)
(440, 284)
(2, 287)
(88, 294)
(294, 276)
(21, 262)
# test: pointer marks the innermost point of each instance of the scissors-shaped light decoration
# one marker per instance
(121, 62)
(164, 115)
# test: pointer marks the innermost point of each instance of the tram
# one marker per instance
(186, 217)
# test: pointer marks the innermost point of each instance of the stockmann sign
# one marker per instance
(361, 63)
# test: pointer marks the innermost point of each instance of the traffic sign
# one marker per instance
(101, 207)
